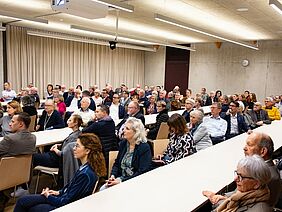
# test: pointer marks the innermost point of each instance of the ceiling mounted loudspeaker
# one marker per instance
(113, 45)
(82, 8)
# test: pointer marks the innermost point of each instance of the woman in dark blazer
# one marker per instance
(134, 157)
(161, 117)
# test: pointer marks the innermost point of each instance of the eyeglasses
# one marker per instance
(240, 177)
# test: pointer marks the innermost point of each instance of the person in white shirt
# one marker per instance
(74, 102)
(97, 98)
(8, 94)
(215, 124)
(117, 111)
(85, 113)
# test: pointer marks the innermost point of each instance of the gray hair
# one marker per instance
(199, 114)
(138, 128)
(87, 99)
(256, 168)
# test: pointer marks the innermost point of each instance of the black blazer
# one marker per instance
(242, 126)
(55, 121)
(141, 160)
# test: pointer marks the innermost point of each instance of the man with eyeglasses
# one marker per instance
(235, 121)
(215, 125)
(189, 104)
(258, 115)
(272, 111)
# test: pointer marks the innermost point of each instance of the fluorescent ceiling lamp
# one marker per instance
(86, 40)
(171, 21)
(22, 18)
(117, 5)
(144, 42)
(2, 28)
(104, 33)
(276, 5)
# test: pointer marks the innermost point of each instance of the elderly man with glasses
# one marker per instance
(272, 111)
(258, 115)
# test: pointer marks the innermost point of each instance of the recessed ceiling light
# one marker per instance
(242, 9)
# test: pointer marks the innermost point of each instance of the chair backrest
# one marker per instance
(31, 127)
(112, 157)
(159, 146)
(14, 171)
(163, 131)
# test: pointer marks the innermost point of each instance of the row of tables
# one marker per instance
(179, 185)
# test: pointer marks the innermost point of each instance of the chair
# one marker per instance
(46, 170)
(159, 146)
(14, 171)
(95, 187)
(31, 127)
(163, 131)
(112, 157)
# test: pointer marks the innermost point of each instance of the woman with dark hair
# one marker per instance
(88, 150)
(198, 103)
(79, 87)
(218, 94)
(49, 92)
(161, 117)
(253, 100)
(181, 143)
(61, 155)
(28, 106)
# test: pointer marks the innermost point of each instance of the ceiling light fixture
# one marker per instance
(276, 5)
(86, 40)
(22, 18)
(116, 4)
(2, 28)
(171, 21)
(131, 39)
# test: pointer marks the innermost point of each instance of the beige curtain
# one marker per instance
(43, 60)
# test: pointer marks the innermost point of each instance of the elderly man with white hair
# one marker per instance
(272, 111)
(189, 104)
(84, 111)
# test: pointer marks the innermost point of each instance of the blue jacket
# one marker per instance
(242, 126)
(81, 185)
(54, 122)
(141, 160)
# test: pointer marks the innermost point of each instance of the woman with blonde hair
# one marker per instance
(13, 107)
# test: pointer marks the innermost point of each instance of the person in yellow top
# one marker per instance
(272, 111)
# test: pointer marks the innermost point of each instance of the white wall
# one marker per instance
(215, 68)
(155, 67)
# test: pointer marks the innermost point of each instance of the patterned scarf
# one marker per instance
(240, 199)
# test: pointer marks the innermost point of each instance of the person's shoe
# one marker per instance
(19, 192)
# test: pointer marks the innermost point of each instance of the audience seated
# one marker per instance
(72, 100)
(60, 104)
(125, 99)
(51, 118)
(161, 117)
(181, 143)
(235, 121)
(49, 92)
(97, 98)
(104, 127)
(84, 111)
(68, 94)
(8, 94)
(13, 107)
(89, 151)
(204, 97)
(175, 104)
(117, 111)
(61, 155)
(272, 111)
(189, 104)
(151, 107)
(215, 125)
(258, 115)
(106, 97)
(217, 96)
(162, 96)
(19, 142)
(252, 194)
(92, 105)
(199, 131)
(134, 156)
(28, 106)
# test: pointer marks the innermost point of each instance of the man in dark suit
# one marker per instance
(92, 105)
(258, 115)
(235, 121)
(68, 94)
(19, 142)
(51, 118)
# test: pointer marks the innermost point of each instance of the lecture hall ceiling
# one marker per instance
(244, 20)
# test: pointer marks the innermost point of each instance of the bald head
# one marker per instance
(260, 144)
